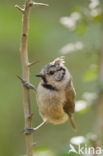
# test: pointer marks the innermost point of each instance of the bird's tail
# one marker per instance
(72, 122)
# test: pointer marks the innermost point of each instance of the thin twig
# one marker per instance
(22, 80)
(19, 8)
(37, 4)
(26, 84)
(32, 63)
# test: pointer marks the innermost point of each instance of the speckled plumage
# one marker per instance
(55, 93)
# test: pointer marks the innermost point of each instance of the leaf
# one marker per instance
(77, 9)
(91, 74)
(44, 151)
(98, 18)
(81, 29)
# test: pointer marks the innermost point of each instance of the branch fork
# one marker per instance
(30, 4)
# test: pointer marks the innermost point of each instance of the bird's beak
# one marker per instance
(39, 75)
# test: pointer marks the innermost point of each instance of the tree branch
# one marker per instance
(37, 4)
(100, 98)
(25, 73)
(25, 70)
(32, 63)
(19, 8)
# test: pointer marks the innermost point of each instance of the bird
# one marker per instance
(55, 94)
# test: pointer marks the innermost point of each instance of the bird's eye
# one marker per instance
(51, 72)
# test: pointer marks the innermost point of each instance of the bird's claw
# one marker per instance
(28, 130)
(29, 85)
(26, 84)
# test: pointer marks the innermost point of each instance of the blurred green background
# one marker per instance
(46, 37)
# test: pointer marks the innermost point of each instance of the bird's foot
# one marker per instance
(28, 130)
(27, 84)
(31, 130)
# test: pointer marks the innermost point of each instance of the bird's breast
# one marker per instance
(51, 105)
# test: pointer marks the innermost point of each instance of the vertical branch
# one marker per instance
(100, 99)
(25, 69)
(25, 72)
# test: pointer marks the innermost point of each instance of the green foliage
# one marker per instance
(81, 29)
(91, 74)
(44, 151)
(70, 154)
(100, 86)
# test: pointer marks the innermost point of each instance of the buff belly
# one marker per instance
(51, 106)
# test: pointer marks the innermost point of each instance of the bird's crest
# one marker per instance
(59, 60)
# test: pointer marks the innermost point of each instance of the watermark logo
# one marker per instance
(80, 149)
(72, 149)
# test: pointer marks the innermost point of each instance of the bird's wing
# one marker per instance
(69, 104)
